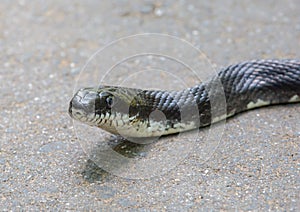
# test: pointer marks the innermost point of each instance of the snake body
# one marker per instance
(133, 112)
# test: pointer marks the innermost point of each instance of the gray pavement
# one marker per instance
(45, 161)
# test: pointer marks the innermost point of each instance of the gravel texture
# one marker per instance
(46, 166)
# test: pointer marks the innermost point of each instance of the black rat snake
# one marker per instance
(134, 112)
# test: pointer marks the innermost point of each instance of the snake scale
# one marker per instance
(132, 112)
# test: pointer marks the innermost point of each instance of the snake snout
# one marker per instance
(75, 107)
(76, 102)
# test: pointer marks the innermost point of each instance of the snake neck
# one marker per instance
(235, 89)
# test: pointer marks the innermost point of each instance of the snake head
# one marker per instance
(106, 107)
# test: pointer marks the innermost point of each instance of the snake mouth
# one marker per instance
(70, 108)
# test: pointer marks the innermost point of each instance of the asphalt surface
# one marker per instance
(47, 162)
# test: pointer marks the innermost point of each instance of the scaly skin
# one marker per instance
(145, 113)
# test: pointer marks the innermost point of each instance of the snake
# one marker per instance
(141, 113)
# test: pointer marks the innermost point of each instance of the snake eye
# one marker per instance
(110, 101)
(107, 98)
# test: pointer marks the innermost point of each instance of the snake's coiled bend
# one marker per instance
(134, 112)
